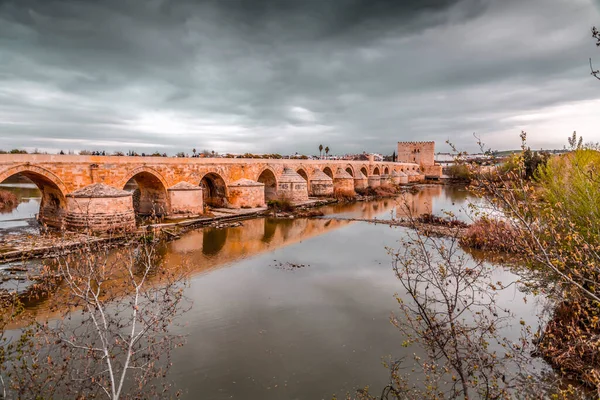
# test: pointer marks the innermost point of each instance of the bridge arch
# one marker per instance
(214, 189)
(150, 197)
(376, 171)
(53, 189)
(350, 170)
(302, 172)
(364, 170)
(328, 172)
(386, 170)
(269, 179)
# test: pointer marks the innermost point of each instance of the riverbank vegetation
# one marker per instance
(550, 216)
(8, 201)
(383, 190)
(547, 210)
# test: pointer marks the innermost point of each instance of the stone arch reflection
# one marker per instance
(213, 241)
(270, 226)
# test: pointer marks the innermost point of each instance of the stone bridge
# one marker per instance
(88, 192)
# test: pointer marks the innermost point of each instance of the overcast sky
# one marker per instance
(287, 75)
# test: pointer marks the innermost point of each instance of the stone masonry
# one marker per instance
(159, 180)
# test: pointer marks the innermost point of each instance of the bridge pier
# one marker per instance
(343, 181)
(403, 177)
(412, 176)
(186, 199)
(99, 208)
(246, 193)
(374, 181)
(320, 184)
(52, 207)
(386, 179)
(292, 186)
(360, 181)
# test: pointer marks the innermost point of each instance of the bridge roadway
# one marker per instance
(180, 186)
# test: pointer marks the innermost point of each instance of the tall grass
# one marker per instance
(344, 194)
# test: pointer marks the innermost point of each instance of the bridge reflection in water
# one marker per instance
(208, 248)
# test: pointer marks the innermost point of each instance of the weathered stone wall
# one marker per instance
(386, 179)
(70, 172)
(246, 194)
(421, 153)
(320, 185)
(291, 186)
(343, 181)
(59, 175)
(186, 201)
(293, 191)
(100, 214)
(374, 181)
(361, 183)
(52, 207)
(321, 188)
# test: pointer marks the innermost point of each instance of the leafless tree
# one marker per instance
(596, 35)
(448, 308)
(113, 337)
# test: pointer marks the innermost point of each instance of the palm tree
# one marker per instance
(320, 150)
(327, 150)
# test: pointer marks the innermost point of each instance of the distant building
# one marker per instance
(422, 153)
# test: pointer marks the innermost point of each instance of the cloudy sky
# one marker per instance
(286, 75)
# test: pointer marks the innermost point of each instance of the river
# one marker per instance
(298, 308)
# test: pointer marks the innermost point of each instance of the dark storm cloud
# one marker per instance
(286, 75)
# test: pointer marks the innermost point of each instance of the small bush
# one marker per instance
(344, 194)
(385, 190)
(281, 205)
(435, 220)
(492, 235)
(8, 201)
(364, 191)
(459, 172)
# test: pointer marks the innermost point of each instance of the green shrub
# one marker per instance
(459, 172)
(570, 184)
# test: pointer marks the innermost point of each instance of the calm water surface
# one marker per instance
(23, 216)
(260, 328)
